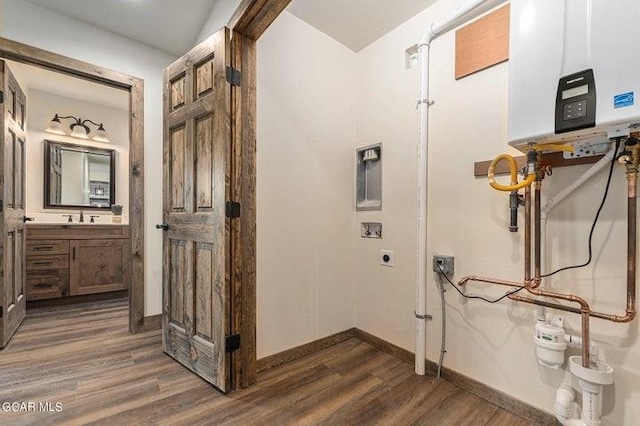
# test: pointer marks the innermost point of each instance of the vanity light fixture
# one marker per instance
(79, 128)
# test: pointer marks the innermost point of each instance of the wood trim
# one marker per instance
(136, 205)
(19, 52)
(303, 350)
(499, 398)
(243, 232)
(151, 323)
(384, 346)
(250, 19)
(253, 17)
(554, 159)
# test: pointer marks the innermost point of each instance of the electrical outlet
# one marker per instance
(443, 264)
(386, 257)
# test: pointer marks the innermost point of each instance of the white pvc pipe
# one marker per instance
(421, 250)
(559, 197)
(591, 403)
(568, 412)
(565, 408)
(437, 28)
(432, 32)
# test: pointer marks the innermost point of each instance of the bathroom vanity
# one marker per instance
(65, 260)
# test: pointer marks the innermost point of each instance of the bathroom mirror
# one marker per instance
(78, 176)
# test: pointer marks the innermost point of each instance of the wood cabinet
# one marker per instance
(72, 260)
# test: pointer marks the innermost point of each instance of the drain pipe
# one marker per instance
(433, 31)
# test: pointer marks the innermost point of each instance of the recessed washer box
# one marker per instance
(369, 178)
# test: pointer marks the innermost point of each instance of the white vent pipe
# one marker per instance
(434, 30)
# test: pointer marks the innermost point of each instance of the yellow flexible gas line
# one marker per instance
(513, 169)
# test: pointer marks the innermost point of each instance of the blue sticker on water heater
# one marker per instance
(623, 100)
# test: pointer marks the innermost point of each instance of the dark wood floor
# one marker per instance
(85, 359)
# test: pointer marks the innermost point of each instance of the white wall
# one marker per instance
(41, 107)
(306, 166)
(467, 219)
(219, 17)
(48, 30)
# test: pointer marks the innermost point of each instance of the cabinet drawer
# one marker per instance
(47, 247)
(47, 284)
(39, 263)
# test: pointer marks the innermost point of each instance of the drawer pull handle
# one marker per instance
(39, 248)
(43, 263)
(74, 253)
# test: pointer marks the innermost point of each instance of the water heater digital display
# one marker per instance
(576, 91)
(573, 70)
(576, 102)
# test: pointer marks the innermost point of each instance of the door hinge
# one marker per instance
(1, 206)
(234, 76)
(233, 209)
(232, 343)
(1, 311)
(1, 97)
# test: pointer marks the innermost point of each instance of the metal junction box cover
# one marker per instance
(574, 69)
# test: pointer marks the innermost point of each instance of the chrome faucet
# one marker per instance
(81, 220)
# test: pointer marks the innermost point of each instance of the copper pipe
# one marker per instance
(632, 183)
(584, 310)
(536, 234)
(568, 297)
(586, 340)
(527, 234)
(518, 298)
(593, 314)
(488, 280)
(532, 288)
(544, 303)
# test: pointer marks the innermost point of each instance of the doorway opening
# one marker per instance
(118, 248)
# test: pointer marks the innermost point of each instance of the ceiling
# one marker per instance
(356, 23)
(172, 26)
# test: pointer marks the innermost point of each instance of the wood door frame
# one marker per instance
(15, 51)
(248, 23)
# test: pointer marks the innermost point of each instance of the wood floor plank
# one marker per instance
(85, 359)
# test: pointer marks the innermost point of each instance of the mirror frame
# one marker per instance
(48, 145)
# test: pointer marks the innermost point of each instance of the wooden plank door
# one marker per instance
(197, 137)
(12, 235)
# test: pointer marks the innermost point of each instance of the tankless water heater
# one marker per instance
(574, 69)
